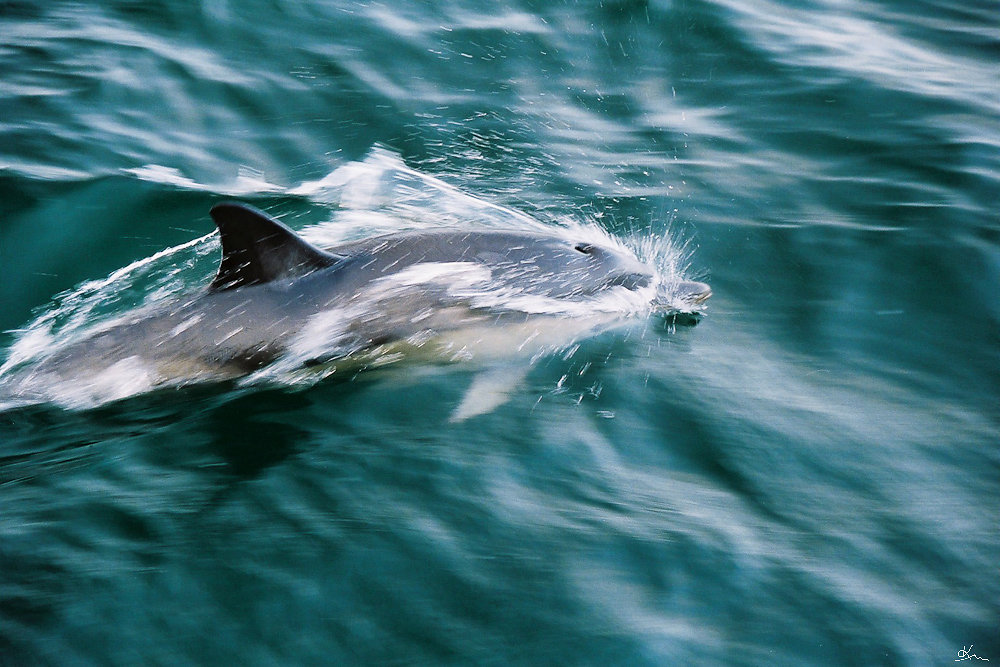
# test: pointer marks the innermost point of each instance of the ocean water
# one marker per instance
(808, 475)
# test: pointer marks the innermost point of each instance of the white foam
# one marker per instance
(248, 181)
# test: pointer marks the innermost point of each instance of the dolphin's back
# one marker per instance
(526, 262)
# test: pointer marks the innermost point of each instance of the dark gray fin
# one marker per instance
(257, 249)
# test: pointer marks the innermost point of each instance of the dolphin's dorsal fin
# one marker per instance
(257, 249)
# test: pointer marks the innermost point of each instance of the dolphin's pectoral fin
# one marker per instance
(489, 390)
(257, 249)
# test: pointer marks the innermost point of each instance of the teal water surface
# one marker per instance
(811, 475)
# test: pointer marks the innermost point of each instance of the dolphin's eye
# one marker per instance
(585, 248)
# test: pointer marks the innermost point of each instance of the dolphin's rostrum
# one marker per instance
(279, 302)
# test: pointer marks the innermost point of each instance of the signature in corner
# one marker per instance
(967, 654)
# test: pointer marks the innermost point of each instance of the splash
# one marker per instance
(97, 303)
(379, 194)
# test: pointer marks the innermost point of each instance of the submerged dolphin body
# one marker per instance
(279, 302)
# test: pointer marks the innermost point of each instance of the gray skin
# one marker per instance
(271, 282)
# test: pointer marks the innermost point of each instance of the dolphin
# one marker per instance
(280, 303)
